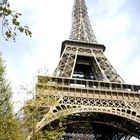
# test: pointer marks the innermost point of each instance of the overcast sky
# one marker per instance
(116, 24)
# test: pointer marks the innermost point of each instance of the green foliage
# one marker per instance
(8, 123)
(35, 109)
(55, 130)
(5, 93)
(52, 131)
(10, 129)
(11, 24)
(32, 112)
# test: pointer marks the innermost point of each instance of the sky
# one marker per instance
(116, 24)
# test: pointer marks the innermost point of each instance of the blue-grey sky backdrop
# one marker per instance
(116, 24)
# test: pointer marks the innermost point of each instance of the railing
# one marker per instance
(93, 84)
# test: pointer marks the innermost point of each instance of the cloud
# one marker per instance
(50, 21)
(116, 26)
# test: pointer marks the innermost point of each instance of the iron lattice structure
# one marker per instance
(85, 60)
(81, 27)
(99, 105)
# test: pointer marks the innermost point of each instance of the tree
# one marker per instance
(8, 123)
(10, 22)
(10, 129)
(19, 127)
(34, 110)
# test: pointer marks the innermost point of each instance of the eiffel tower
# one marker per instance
(97, 101)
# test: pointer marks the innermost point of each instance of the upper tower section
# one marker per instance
(81, 27)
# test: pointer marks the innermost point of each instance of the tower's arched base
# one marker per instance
(99, 126)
